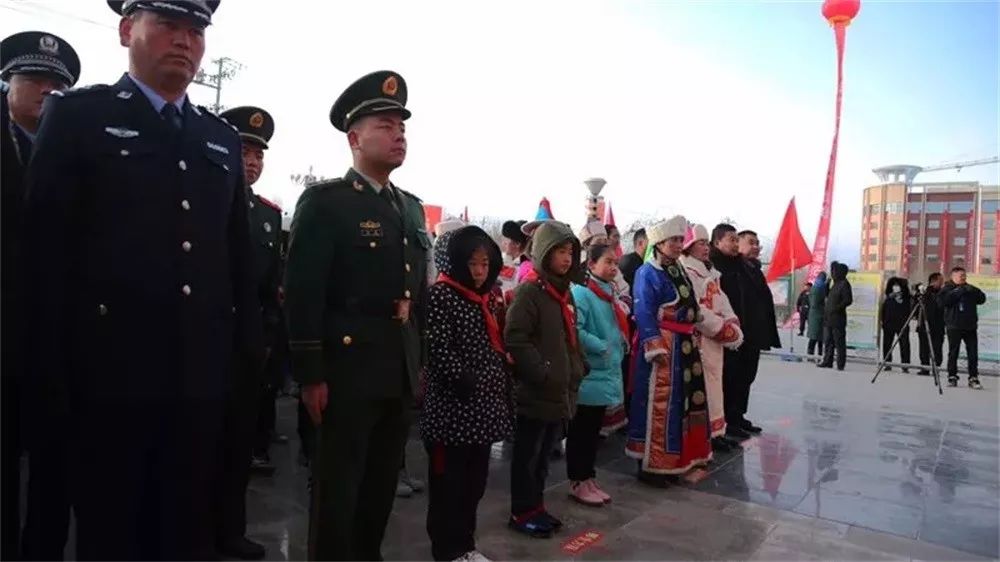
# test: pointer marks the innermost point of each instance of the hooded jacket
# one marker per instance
(896, 306)
(468, 398)
(547, 370)
(959, 303)
(839, 296)
(602, 342)
(817, 302)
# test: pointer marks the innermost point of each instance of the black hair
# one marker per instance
(721, 230)
(933, 277)
(743, 233)
(957, 268)
(596, 252)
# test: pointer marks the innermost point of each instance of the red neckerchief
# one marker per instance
(619, 313)
(492, 326)
(568, 314)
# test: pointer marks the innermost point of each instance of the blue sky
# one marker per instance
(709, 109)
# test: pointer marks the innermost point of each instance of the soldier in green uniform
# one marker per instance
(355, 283)
(255, 127)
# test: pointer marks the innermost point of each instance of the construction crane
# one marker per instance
(905, 173)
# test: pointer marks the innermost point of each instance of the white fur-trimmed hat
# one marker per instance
(674, 226)
(694, 234)
(448, 225)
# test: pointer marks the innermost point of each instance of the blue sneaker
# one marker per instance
(535, 526)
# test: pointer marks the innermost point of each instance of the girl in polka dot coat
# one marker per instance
(468, 404)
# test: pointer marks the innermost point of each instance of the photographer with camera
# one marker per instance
(930, 322)
(959, 300)
(895, 314)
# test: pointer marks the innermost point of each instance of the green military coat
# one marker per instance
(355, 264)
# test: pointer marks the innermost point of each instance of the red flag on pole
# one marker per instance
(790, 250)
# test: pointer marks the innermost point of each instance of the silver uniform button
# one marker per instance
(182, 165)
(102, 310)
(186, 289)
(185, 205)
(186, 246)
(124, 152)
(407, 268)
(406, 241)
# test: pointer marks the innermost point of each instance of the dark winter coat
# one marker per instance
(802, 304)
(817, 302)
(896, 306)
(547, 371)
(933, 311)
(839, 296)
(959, 303)
(744, 284)
(469, 394)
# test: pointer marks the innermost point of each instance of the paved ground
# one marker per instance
(844, 470)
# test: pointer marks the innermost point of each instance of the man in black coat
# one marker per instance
(840, 295)
(747, 290)
(35, 63)
(140, 277)
(631, 262)
(930, 323)
(959, 300)
(895, 311)
(802, 307)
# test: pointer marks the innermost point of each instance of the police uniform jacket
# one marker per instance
(352, 259)
(265, 233)
(15, 150)
(140, 262)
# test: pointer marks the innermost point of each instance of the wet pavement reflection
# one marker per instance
(837, 473)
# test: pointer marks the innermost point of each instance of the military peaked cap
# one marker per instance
(37, 52)
(378, 92)
(198, 10)
(253, 123)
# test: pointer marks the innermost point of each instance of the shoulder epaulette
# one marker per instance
(326, 183)
(269, 203)
(204, 110)
(410, 195)
(81, 91)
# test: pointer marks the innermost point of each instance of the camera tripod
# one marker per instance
(921, 314)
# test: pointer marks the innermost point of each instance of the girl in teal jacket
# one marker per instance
(602, 325)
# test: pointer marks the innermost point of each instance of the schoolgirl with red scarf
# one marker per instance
(602, 328)
(468, 404)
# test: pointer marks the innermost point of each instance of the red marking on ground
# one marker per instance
(581, 542)
(696, 475)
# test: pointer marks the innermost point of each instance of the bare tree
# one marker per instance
(493, 226)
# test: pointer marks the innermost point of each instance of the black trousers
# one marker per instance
(146, 493)
(354, 470)
(836, 342)
(10, 464)
(926, 344)
(266, 417)
(46, 526)
(581, 442)
(815, 346)
(239, 430)
(739, 370)
(529, 466)
(803, 318)
(457, 481)
(306, 431)
(889, 336)
(955, 339)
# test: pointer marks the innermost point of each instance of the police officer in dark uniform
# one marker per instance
(355, 284)
(255, 127)
(140, 284)
(35, 63)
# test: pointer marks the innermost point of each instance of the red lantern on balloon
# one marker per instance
(839, 13)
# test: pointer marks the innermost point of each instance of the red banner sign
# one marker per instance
(822, 242)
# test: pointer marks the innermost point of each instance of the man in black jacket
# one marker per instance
(744, 285)
(894, 313)
(630, 263)
(802, 307)
(930, 324)
(959, 300)
(839, 297)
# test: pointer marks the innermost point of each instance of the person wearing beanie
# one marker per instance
(668, 431)
(719, 327)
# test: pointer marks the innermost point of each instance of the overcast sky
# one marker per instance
(705, 109)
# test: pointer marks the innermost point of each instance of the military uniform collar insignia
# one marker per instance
(124, 94)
